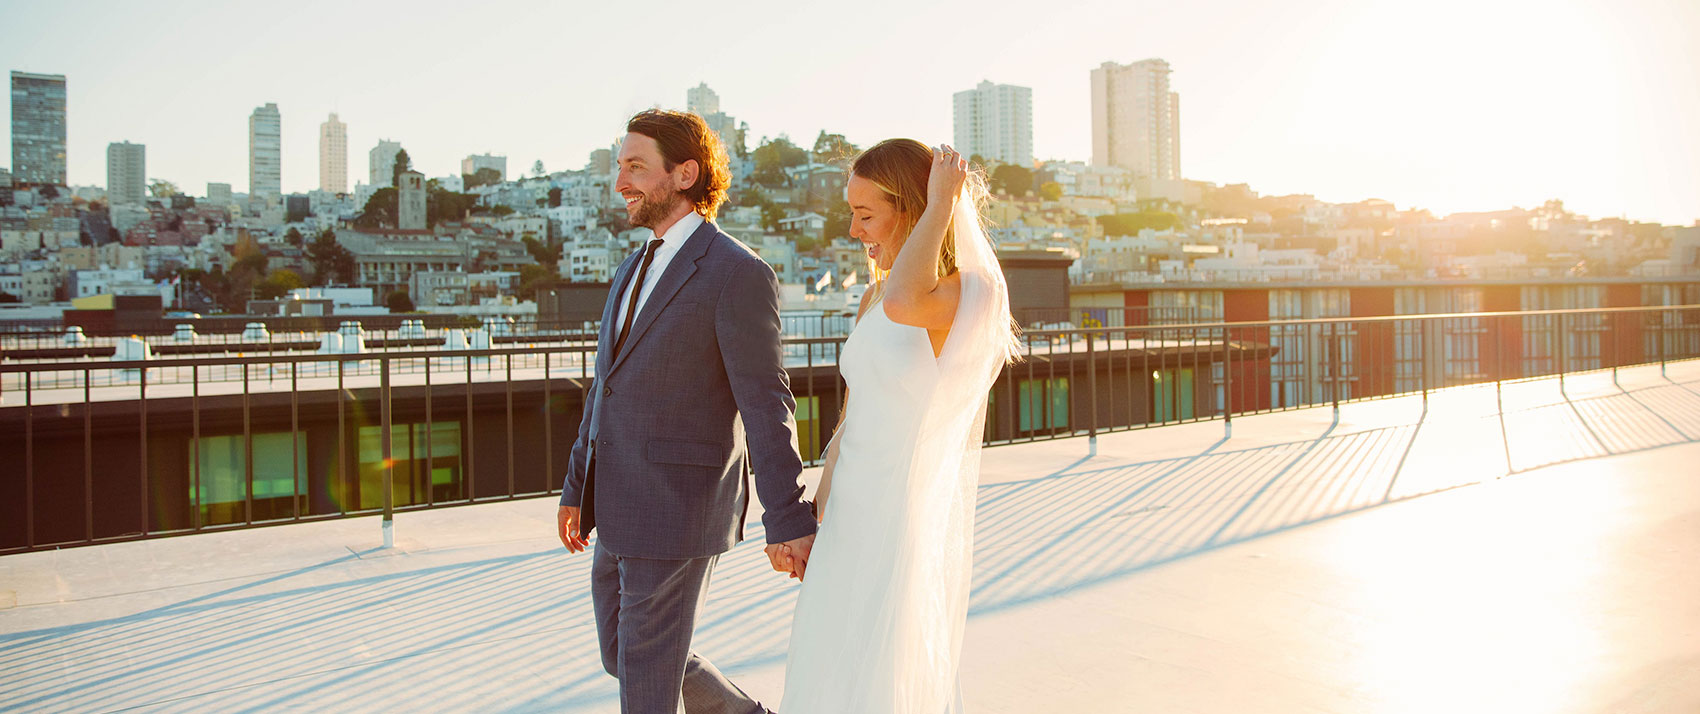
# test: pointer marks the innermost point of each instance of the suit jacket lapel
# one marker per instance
(683, 266)
(611, 313)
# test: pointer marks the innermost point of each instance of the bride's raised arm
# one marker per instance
(914, 292)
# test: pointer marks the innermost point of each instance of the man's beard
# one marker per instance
(651, 212)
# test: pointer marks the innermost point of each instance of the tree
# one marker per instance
(502, 210)
(1012, 180)
(6, 297)
(249, 255)
(380, 210)
(837, 222)
(533, 277)
(1051, 191)
(739, 147)
(398, 301)
(484, 177)
(537, 168)
(831, 148)
(542, 253)
(555, 197)
(1127, 224)
(278, 284)
(294, 237)
(771, 215)
(773, 157)
(441, 205)
(402, 163)
(160, 188)
(331, 262)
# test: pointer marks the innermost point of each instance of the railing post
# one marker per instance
(1659, 342)
(1496, 335)
(142, 399)
(1227, 385)
(387, 466)
(247, 450)
(1092, 399)
(1563, 352)
(1334, 370)
(29, 460)
(1422, 358)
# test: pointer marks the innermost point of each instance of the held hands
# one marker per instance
(567, 527)
(950, 170)
(792, 556)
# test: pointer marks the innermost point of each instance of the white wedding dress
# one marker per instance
(880, 618)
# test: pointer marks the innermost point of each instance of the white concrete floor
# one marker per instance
(1395, 560)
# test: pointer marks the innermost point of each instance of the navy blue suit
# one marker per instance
(673, 427)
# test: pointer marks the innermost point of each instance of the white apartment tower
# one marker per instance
(333, 156)
(380, 163)
(265, 152)
(126, 173)
(996, 122)
(1136, 124)
(702, 101)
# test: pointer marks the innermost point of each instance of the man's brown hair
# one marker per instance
(686, 137)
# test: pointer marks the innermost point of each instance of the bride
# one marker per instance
(884, 602)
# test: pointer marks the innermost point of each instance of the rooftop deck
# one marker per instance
(1454, 556)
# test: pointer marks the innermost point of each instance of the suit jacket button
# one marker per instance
(607, 391)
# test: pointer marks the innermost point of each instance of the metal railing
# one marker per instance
(102, 450)
(1088, 317)
(382, 332)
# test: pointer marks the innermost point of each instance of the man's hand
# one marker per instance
(792, 556)
(566, 523)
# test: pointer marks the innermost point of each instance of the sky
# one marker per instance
(1449, 105)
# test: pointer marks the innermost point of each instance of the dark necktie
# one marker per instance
(649, 250)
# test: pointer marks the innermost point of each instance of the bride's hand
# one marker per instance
(949, 172)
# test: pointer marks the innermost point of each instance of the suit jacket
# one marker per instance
(697, 397)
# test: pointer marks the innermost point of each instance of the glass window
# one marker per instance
(1043, 404)
(219, 487)
(811, 436)
(1172, 399)
(439, 470)
(1331, 302)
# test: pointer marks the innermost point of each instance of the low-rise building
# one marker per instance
(440, 288)
(591, 264)
(109, 281)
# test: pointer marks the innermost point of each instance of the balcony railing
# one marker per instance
(99, 450)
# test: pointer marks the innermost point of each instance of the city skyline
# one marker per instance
(1456, 107)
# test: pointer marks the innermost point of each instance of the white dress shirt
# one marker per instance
(671, 242)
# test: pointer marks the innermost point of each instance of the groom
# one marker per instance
(690, 395)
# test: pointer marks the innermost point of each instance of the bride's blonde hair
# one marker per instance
(899, 167)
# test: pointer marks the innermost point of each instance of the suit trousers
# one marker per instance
(646, 611)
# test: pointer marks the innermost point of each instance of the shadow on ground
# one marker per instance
(515, 633)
